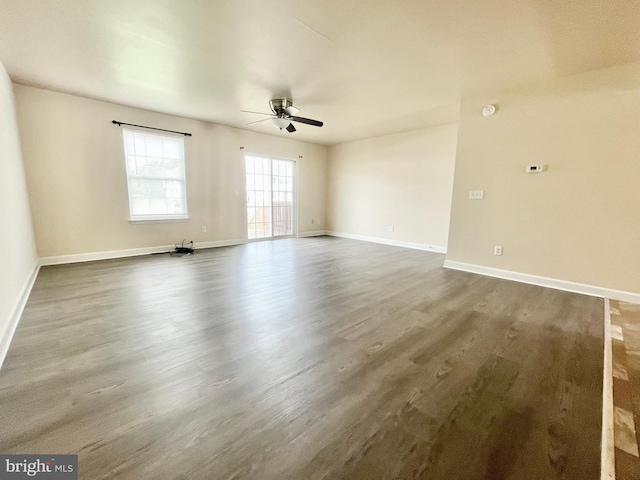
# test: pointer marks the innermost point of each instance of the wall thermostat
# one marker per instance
(535, 168)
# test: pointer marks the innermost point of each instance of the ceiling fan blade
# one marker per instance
(291, 110)
(308, 121)
(259, 113)
(258, 121)
(291, 128)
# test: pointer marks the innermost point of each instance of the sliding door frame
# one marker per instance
(294, 223)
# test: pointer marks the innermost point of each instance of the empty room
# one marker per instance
(295, 239)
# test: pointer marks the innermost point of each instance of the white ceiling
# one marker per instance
(364, 67)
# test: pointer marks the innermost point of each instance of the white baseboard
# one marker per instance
(575, 287)
(7, 335)
(387, 241)
(134, 252)
(218, 243)
(131, 252)
(90, 257)
(314, 233)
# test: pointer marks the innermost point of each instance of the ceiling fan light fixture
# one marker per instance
(280, 122)
(291, 110)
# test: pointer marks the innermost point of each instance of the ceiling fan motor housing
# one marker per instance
(279, 105)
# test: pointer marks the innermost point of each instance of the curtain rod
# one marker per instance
(115, 122)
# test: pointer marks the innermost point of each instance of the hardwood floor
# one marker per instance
(304, 358)
(625, 343)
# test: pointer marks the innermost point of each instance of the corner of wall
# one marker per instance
(20, 262)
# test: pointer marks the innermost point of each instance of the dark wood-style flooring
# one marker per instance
(304, 358)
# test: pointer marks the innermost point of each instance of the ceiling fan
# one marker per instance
(283, 114)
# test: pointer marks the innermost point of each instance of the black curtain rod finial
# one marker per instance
(115, 122)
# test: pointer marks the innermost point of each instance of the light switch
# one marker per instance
(476, 194)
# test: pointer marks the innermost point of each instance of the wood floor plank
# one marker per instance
(304, 358)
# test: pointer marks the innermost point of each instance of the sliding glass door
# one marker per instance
(270, 197)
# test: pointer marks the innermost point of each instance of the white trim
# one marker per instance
(90, 257)
(387, 241)
(575, 287)
(607, 452)
(7, 336)
(220, 243)
(137, 221)
(131, 252)
(314, 233)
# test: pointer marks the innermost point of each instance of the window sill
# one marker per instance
(158, 220)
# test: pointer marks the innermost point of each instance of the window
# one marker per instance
(155, 176)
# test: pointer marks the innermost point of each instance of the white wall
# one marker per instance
(404, 180)
(18, 256)
(77, 182)
(580, 220)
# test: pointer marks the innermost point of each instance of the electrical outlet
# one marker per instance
(204, 229)
(391, 228)
(497, 250)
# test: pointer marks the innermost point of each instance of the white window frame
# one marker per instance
(150, 218)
